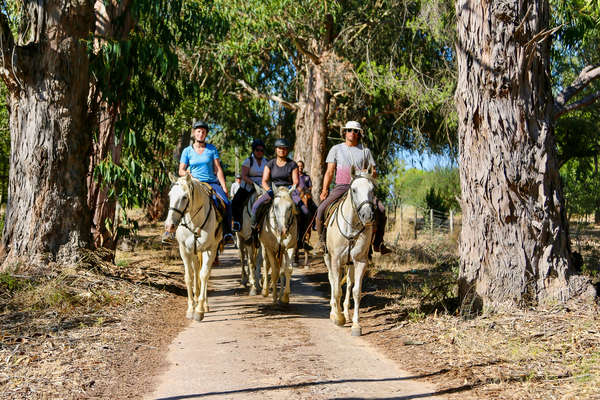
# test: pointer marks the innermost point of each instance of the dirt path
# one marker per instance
(246, 348)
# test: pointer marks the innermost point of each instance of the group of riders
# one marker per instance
(202, 161)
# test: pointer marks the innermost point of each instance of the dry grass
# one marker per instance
(65, 335)
(412, 312)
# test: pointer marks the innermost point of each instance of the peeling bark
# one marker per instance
(47, 218)
(514, 246)
(311, 125)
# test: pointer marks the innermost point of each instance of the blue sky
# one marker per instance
(425, 161)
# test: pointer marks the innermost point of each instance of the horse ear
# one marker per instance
(172, 177)
(371, 170)
(292, 189)
(352, 171)
(188, 178)
(258, 188)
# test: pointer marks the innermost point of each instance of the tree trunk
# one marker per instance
(102, 206)
(514, 246)
(113, 21)
(47, 218)
(311, 125)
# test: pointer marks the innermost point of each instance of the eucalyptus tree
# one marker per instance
(331, 61)
(514, 246)
(137, 81)
(46, 70)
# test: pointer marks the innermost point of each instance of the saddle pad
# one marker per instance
(218, 203)
(332, 207)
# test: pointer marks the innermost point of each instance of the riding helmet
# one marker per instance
(200, 124)
(257, 143)
(282, 142)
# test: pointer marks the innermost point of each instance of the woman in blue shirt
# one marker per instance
(204, 164)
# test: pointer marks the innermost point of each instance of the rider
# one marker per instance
(204, 164)
(281, 171)
(252, 172)
(307, 208)
(340, 160)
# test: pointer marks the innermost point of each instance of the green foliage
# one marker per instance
(437, 189)
(435, 201)
(581, 185)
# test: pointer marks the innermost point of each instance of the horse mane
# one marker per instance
(364, 173)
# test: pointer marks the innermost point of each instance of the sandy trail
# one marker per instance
(246, 348)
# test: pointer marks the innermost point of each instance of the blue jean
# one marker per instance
(219, 191)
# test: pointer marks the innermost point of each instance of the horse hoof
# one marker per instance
(339, 320)
(285, 300)
(189, 314)
(198, 316)
(265, 293)
(252, 291)
(356, 331)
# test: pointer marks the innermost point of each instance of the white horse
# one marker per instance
(349, 236)
(199, 232)
(250, 257)
(278, 239)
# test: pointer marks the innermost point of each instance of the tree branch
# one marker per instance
(304, 51)
(278, 99)
(587, 75)
(586, 101)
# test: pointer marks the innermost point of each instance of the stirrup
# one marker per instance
(236, 227)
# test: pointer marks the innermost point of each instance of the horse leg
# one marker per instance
(265, 275)
(243, 259)
(288, 268)
(349, 278)
(275, 270)
(360, 268)
(336, 287)
(207, 259)
(252, 255)
(188, 266)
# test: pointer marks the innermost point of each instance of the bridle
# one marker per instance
(183, 212)
(289, 221)
(360, 226)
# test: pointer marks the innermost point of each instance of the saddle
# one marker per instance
(217, 202)
(331, 210)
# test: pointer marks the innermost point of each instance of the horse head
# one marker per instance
(362, 195)
(179, 201)
(284, 209)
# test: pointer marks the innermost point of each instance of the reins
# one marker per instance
(351, 238)
(183, 214)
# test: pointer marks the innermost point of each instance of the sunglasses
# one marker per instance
(260, 149)
(353, 130)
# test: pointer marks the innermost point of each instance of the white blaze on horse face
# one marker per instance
(282, 208)
(178, 200)
(363, 196)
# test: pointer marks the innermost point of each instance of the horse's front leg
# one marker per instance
(244, 258)
(188, 266)
(275, 270)
(252, 256)
(267, 263)
(208, 257)
(336, 288)
(349, 282)
(288, 269)
(359, 273)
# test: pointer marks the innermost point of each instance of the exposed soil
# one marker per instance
(104, 332)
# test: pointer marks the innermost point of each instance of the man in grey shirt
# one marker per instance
(340, 160)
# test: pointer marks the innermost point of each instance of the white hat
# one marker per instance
(351, 125)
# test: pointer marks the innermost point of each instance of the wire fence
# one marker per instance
(407, 221)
